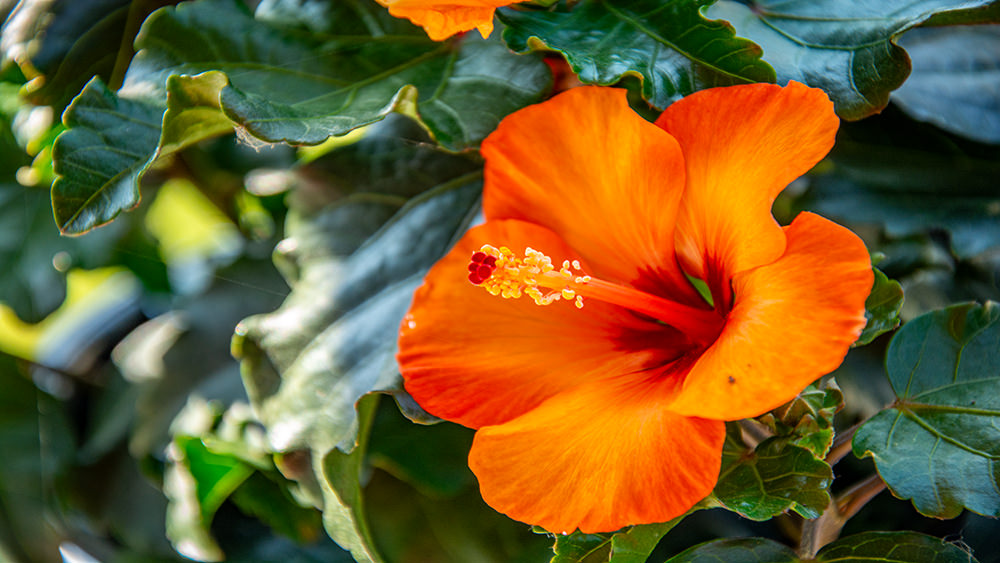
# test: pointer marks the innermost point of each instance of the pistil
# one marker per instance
(502, 273)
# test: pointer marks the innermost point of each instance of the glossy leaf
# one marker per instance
(776, 476)
(955, 82)
(844, 47)
(277, 84)
(880, 547)
(938, 443)
(670, 45)
(881, 308)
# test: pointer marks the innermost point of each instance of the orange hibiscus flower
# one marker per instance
(442, 19)
(606, 407)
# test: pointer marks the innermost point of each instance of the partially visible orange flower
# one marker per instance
(613, 414)
(443, 18)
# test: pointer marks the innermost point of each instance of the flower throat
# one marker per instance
(502, 273)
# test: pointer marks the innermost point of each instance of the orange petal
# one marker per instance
(588, 167)
(742, 146)
(441, 20)
(598, 457)
(476, 359)
(792, 322)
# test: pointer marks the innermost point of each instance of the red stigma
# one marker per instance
(481, 267)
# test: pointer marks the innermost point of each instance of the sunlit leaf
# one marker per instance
(581, 548)
(774, 477)
(844, 47)
(938, 443)
(881, 308)
(954, 79)
(670, 45)
(637, 543)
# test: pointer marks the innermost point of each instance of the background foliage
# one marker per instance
(197, 353)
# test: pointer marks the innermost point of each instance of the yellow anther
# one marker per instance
(515, 276)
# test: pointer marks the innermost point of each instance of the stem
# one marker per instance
(841, 445)
(823, 530)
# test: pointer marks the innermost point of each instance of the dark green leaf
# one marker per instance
(893, 547)
(776, 476)
(100, 158)
(431, 458)
(882, 547)
(669, 44)
(881, 308)
(938, 444)
(278, 84)
(581, 548)
(844, 47)
(742, 550)
(953, 84)
(909, 178)
(268, 499)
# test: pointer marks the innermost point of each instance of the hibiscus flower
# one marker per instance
(442, 19)
(569, 328)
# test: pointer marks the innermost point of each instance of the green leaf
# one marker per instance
(909, 178)
(884, 547)
(431, 458)
(846, 48)
(776, 476)
(581, 548)
(741, 550)
(637, 543)
(938, 443)
(952, 70)
(893, 547)
(670, 45)
(278, 84)
(881, 308)
(352, 267)
(807, 420)
(339, 476)
(100, 158)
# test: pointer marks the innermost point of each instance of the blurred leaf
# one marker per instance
(885, 547)
(881, 308)
(673, 48)
(938, 443)
(807, 420)
(955, 82)
(100, 158)
(844, 47)
(261, 496)
(186, 351)
(352, 267)
(30, 466)
(280, 85)
(460, 528)
(908, 178)
(431, 458)
(776, 476)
